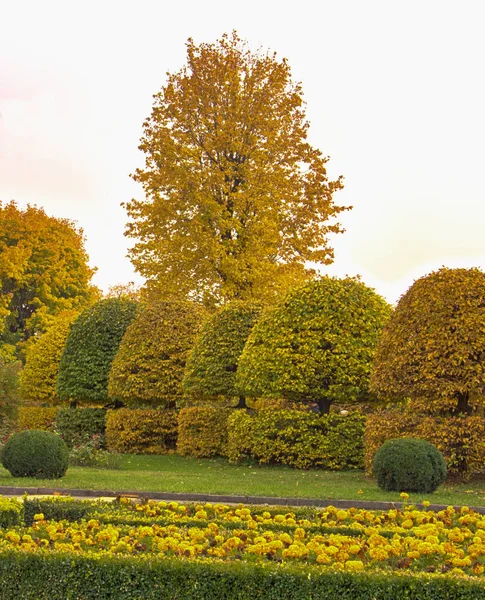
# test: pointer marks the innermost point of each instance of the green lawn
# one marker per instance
(178, 474)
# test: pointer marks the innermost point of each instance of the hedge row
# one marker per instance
(461, 439)
(141, 431)
(291, 437)
(53, 576)
(298, 439)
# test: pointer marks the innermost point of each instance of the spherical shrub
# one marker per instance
(408, 465)
(35, 453)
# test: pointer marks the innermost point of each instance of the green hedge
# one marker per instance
(298, 439)
(50, 576)
(77, 425)
(59, 509)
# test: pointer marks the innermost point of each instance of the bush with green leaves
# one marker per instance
(212, 364)
(408, 465)
(149, 366)
(297, 438)
(432, 349)
(91, 346)
(316, 345)
(77, 426)
(35, 453)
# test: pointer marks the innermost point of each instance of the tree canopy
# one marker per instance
(212, 364)
(92, 344)
(38, 380)
(316, 345)
(43, 271)
(150, 363)
(236, 199)
(433, 348)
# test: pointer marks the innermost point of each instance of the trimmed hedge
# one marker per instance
(461, 440)
(202, 431)
(91, 346)
(35, 453)
(54, 576)
(77, 425)
(141, 431)
(408, 465)
(36, 417)
(58, 509)
(297, 438)
(11, 512)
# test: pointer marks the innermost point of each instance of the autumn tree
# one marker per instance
(38, 379)
(93, 341)
(236, 199)
(316, 345)
(212, 364)
(433, 348)
(43, 271)
(150, 363)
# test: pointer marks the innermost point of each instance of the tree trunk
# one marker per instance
(241, 403)
(463, 407)
(324, 405)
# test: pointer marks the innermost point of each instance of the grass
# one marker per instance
(172, 473)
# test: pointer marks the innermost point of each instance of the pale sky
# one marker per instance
(395, 96)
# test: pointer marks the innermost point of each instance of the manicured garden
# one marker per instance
(69, 549)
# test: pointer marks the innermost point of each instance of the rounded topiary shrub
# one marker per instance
(408, 465)
(35, 453)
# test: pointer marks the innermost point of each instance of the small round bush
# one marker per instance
(35, 453)
(408, 465)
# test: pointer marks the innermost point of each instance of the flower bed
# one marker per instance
(408, 546)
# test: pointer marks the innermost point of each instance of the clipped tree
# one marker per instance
(236, 200)
(149, 366)
(91, 346)
(43, 271)
(38, 380)
(316, 345)
(212, 364)
(433, 348)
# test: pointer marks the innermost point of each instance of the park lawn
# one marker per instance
(172, 473)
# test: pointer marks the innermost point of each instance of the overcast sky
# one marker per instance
(395, 96)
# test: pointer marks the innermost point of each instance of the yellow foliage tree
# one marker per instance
(43, 271)
(38, 379)
(237, 200)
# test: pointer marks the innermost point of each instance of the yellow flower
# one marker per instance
(354, 565)
(39, 517)
(404, 495)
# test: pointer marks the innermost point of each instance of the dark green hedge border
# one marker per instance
(53, 576)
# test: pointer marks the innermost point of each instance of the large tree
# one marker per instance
(43, 271)
(433, 348)
(237, 200)
(316, 345)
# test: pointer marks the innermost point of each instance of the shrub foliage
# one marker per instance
(202, 431)
(35, 453)
(212, 364)
(92, 344)
(37, 417)
(460, 439)
(141, 431)
(150, 364)
(39, 377)
(77, 425)
(408, 465)
(433, 346)
(317, 345)
(298, 439)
